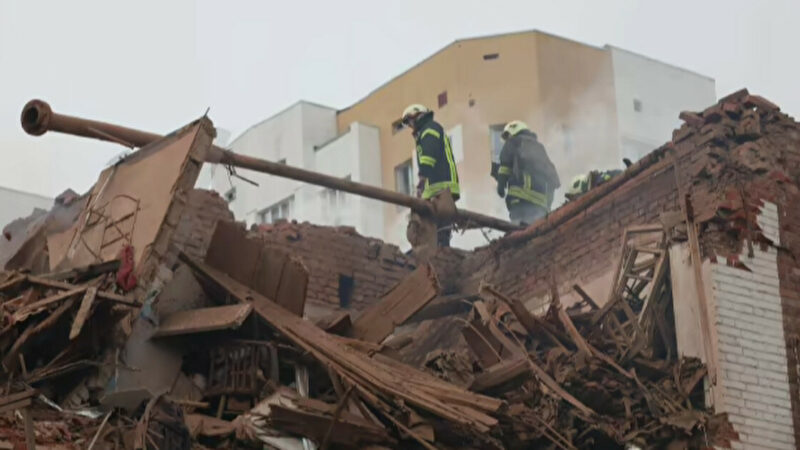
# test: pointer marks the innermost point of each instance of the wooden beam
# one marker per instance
(85, 272)
(589, 300)
(10, 360)
(83, 312)
(402, 384)
(30, 436)
(67, 286)
(398, 305)
(498, 374)
(573, 332)
(33, 308)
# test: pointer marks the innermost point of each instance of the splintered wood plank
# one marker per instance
(83, 312)
(588, 299)
(398, 305)
(532, 324)
(204, 319)
(293, 286)
(14, 398)
(92, 270)
(10, 361)
(500, 373)
(38, 306)
(371, 376)
(573, 332)
(67, 286)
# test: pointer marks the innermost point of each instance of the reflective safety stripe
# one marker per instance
(452, 184)
(432, 132)
(432, 189)
(529, 195)
(504, 170)
(449, 154)
(428, 160)
(526, 182)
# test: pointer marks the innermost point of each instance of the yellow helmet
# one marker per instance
(413, 111)
(579, 185)
(513, 127)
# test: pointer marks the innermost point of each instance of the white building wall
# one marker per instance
(291, 135)
(753, 383)
(662, 90)
(16, 204)
(304, 135)
(355, 154)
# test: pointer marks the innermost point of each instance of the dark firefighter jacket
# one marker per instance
(435, 158)
(596, 178)
(527, 171)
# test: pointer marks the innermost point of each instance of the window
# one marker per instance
(230, 194)
(346, 285)
(403, 178)
(278, 211)
(282, 161)
(637, 105)
(455, 135)
(334, 205)
(495, 142)
(442, 99)
(491, 56)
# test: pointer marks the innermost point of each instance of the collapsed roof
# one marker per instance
(155, 309)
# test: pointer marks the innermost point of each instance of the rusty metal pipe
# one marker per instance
(38, 118)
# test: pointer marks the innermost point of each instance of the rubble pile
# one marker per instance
(150, 320)
(562, 379)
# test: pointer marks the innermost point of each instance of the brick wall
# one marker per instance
(731, 161)
(583, 250)
(789, 273)
(330, 253)
(204, 208)
(752, 376)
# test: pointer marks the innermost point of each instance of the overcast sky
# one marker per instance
(157, 65)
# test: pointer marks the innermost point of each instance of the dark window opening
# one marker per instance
(442, 99)
(496, 142)
(637, 105)
(490, 56)
(346, 285)
(403, 178)
(282, 161)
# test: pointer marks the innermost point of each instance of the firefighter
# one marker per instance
(437, 168)
(525, 176)
(581, 184)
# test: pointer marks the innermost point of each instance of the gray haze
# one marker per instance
(156, 65)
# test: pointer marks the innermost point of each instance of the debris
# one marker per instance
(149, 322)
(204, 319)
(397, 306)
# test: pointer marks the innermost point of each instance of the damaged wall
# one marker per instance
(720, 168)
(753, 381)
(347, 270)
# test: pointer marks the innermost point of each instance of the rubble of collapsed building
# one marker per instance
(146, 318)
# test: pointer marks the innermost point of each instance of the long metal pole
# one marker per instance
(38, 118)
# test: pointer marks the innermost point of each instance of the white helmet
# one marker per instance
(413, 111)
(513, 127)
(579, 185)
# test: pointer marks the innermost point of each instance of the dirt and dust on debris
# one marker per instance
(137, 316)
